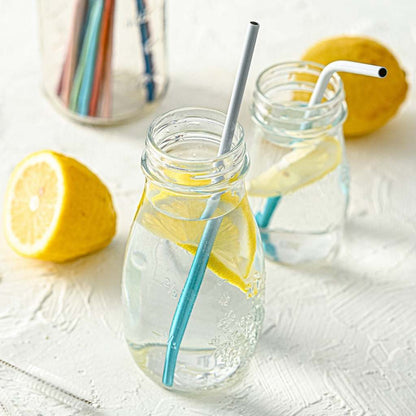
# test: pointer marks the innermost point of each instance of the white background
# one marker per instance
(339, 340)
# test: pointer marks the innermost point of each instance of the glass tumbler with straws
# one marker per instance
(182, 172)
(104, 61)
(299, 179)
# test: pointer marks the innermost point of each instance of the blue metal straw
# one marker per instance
(263, 218)
(147, 55)
(88, 76)
(85, 52)
(84, 27)
(188, 297)
(199, 264)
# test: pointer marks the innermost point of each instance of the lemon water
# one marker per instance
(298, 155)
(183, 173)
(307, 224)
(224, 325)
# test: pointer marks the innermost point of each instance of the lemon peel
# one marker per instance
(234, 249)
(371, 102)
(56, 209)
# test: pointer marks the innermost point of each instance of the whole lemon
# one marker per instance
(56, 209)
(371, 101)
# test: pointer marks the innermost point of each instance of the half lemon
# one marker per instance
(56, 209)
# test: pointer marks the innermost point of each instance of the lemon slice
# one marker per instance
(56, 209)
(298, 168)
(234, 248)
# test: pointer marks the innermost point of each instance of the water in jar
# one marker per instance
(226, 320)
(308, 181)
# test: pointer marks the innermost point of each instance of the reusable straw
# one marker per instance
(106, 102)
(343, 66)
(147, 54)
(101, 56)
(61, 78)
(50, 386)
(84, 27)
(85, 83)
(86, 47)
(263, 218)
(72, 54)
(200, 261)
(88, 75)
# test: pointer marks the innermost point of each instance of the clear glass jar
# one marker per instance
(182, 173)
(103, 61)
(299, 178)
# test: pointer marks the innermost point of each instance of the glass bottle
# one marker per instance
(299, 178)
(182, 172)
(103, 61)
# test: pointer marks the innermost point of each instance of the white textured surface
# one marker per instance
(340, 340)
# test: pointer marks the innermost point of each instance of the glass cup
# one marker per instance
(299, 179)
(182, 172)
(103, 61)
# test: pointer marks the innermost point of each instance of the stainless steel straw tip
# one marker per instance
(382, 72)
(254, 23)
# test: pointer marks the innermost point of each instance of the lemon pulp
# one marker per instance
(234, 248)
(298, 168)
(56, 209)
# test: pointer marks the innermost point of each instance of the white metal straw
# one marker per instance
(343, 66)
(238, 90)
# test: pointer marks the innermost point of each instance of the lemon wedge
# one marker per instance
(56, 209)
(234, 248)
(298, 168)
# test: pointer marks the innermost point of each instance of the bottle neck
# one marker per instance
(280, 102)
(181, 153)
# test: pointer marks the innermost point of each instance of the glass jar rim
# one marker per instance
(197, 126)
(291, 65)
(277, 109)
(193, 112)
